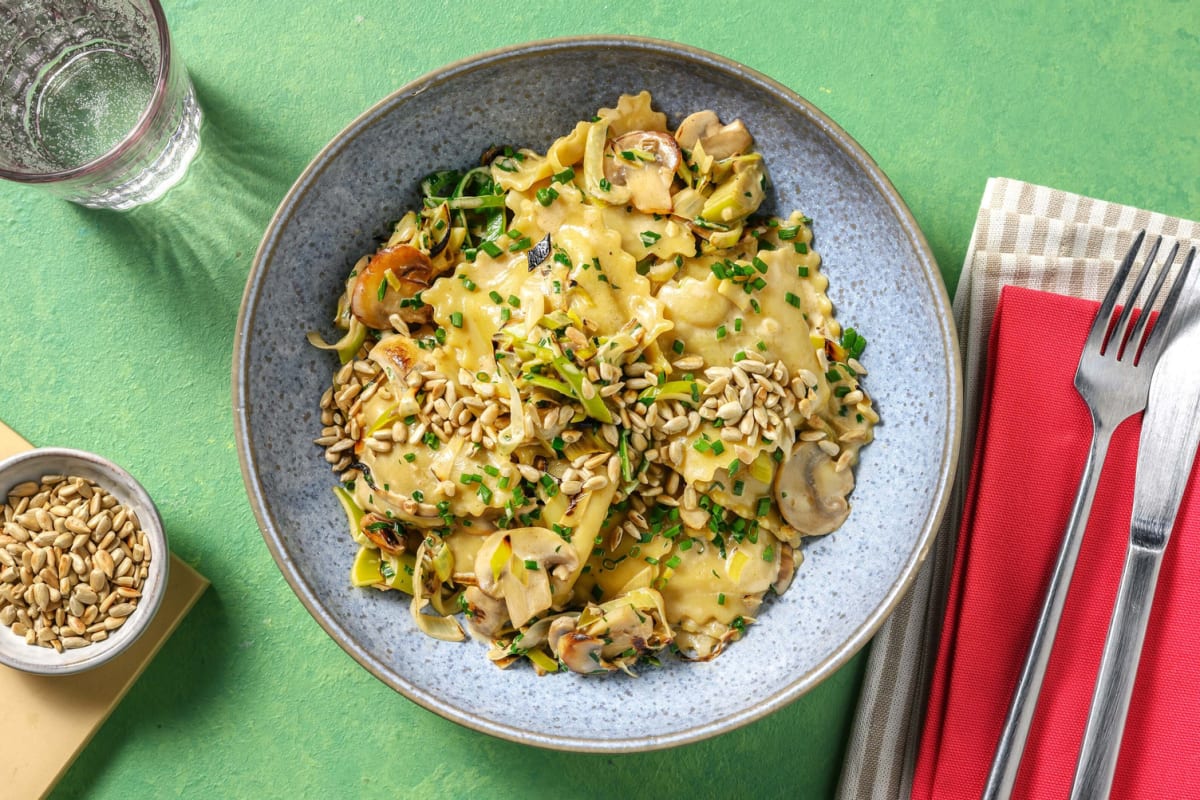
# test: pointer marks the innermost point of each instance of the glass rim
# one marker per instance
(130, 139)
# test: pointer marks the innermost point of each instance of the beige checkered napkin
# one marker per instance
(1025, 235)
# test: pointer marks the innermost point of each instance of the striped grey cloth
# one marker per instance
(1024, 235)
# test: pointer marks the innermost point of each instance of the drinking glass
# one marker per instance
(96, 105)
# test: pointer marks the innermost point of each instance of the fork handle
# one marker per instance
(1007, 761)
(1118, 668)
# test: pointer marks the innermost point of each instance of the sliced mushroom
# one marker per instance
(718, 141)
(811, 493)
(645, 162)
(613, 635)
(787, 568)
(695, 127)
(486, 615)
(375, 298)
(399, 355)
(580, 652)
(518, 566)
(704, 642)
(384, 533)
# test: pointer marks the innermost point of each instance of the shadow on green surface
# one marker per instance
(193, 247)
(200, 650)
(777, 758)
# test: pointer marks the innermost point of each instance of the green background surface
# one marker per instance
(118, 333)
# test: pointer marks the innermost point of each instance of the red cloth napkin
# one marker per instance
(1033, 438)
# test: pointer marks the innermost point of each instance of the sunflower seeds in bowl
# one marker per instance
(83, 561)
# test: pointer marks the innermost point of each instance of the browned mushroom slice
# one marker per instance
(384, 533)
(719, 141)
(612, 635)
(486, 615)
(811, 493)
(645, 163)
(375, 297)
(397, 355)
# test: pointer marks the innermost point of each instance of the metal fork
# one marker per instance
(1113, 378)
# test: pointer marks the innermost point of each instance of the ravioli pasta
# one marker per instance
(590, 402)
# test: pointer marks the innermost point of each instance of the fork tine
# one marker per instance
(1135, 337)
(1099, 330)
(1120, 329)
(1154, 344)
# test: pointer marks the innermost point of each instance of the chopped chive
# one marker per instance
(677, 346)
(496, 298)
(531, 563)
(768, 554)
(792, 300)
(721, 332)
(491, 248)
(788, 233)
(760, 265)
(673, 561)
(721, 598)
(383, 287)
(410, 457)
(764, 505)
(546, 196)
(523, 243)
(754, 304)
(649, 238)
(737, 325)
(564, 176)
(735, 465)
(802, 272)
(605, 185)
(485, 494)
(718, 447)
(800, 247)
(456, 319)
(491, 469)
(738, 488)
(505, 314)
(740, 355)
(841, 391)
(833, 376)
(762, 346)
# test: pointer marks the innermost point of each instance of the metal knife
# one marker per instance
(1166, 452)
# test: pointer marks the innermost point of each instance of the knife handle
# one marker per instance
(1118, 668)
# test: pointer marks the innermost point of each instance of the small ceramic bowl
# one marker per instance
(31, 466)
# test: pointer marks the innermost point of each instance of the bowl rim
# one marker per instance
(129, 491)
(926, 267)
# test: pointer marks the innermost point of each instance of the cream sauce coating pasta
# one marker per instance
(610, 403)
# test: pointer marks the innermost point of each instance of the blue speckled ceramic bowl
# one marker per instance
(883, 280)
